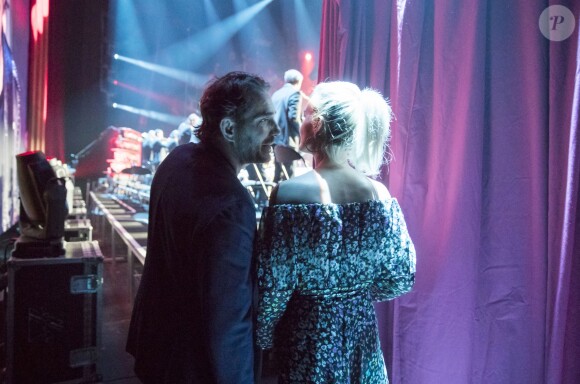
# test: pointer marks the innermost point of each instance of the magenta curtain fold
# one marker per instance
(487, 169)
(563, 301)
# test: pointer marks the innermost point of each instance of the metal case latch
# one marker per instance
(84, 284)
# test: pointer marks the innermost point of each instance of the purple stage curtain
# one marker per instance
(487, 169)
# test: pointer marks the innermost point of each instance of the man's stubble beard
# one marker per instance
(251, 153)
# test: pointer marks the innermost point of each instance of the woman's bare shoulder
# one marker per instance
(381, 190)
(301, 189)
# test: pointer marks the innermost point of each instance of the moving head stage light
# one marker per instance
(43, 208)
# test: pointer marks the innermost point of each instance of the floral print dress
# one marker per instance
(320, 268)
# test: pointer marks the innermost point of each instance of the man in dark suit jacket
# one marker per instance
(192, 319)
(288, 105)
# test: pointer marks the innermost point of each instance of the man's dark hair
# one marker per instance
(227, 96)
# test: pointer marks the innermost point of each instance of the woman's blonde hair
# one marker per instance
(351, 124)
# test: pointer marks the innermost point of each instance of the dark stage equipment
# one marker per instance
(136, 171)
(43, 208)
(54, 317)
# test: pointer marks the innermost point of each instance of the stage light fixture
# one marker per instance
(308, 56)
(116, 56)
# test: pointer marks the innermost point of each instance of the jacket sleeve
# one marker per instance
(227, 302)
(396, 272)
(294, 113)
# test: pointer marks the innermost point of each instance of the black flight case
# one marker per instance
(54, 316)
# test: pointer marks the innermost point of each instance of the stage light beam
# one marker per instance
(127, 29)
(208, 42)
(210, 12)
(304, 24)
(177, 74)
(172, 103)
(159, 116)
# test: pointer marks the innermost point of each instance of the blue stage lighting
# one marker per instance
(195, 79)
(203, 45)
(159, 116)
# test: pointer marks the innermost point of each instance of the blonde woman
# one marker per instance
(332, 242)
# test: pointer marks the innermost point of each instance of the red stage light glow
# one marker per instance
(38, 14)
(308, 56)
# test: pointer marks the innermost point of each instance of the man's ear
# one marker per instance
(227, 128)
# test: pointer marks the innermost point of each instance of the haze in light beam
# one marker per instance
(159, 116)
(178, 74)
(206, 43)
